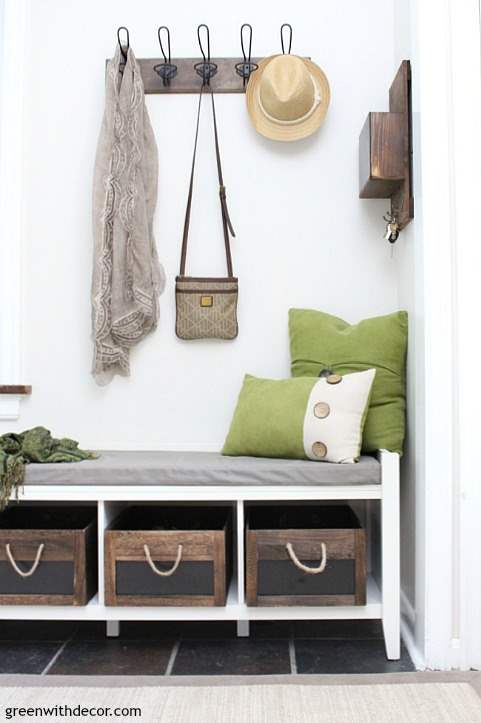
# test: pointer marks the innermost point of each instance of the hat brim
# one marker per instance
(277, 130)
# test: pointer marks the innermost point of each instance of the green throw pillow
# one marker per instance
(321, 341)
(306, 418)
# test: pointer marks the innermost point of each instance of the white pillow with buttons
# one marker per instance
(334, 417)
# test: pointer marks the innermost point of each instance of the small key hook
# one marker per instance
(392, 227)
(289, 28)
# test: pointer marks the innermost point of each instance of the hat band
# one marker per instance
(317, 100)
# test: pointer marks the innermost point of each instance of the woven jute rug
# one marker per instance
(410, 698)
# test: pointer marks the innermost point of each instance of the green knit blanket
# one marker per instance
(34, 445)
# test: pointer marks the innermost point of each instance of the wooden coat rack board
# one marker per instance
(385, 151)
(226, 80)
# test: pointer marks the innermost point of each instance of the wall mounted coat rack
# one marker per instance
(186, 75)
(385, 151)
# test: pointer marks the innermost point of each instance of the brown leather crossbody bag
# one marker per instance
(206, 307)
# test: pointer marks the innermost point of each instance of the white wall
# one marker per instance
(2, 49)
(303, 236)
(12, 131)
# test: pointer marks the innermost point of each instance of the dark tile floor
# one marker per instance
(208, 648)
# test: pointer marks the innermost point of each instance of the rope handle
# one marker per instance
(154, 568)
(36, 563)
(305, 568)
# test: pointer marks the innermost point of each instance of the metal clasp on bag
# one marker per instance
(206, 301)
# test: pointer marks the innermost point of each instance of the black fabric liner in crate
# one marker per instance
(177, 519)
(303, 517)
(191, 577)
(50, 578)
(20, 517)
(282, 577)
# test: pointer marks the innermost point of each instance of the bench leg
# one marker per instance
(112, 628)
(390, 541)
(242, 628)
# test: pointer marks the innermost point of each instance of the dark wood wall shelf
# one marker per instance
(385, 150)
(19, 389)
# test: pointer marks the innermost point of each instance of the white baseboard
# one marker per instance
(407, 609)
(408, 621)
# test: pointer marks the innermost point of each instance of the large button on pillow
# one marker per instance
(313, 418)
(324, 344)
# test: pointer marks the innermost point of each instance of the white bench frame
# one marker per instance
(383, 589)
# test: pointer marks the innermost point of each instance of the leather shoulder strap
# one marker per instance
(226, 222)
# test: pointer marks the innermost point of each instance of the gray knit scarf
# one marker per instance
(127, 276)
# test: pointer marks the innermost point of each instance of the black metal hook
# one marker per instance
(245, 68)
(289, 27)
(249, 27)
(203, 25)
(166, 70)
(164, 27)
(205, 69)
(124, 53)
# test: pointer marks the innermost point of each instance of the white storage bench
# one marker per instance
(118, 479)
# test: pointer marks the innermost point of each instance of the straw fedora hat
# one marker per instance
(287, 97)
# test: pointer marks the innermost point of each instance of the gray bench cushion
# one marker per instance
(201, 468)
